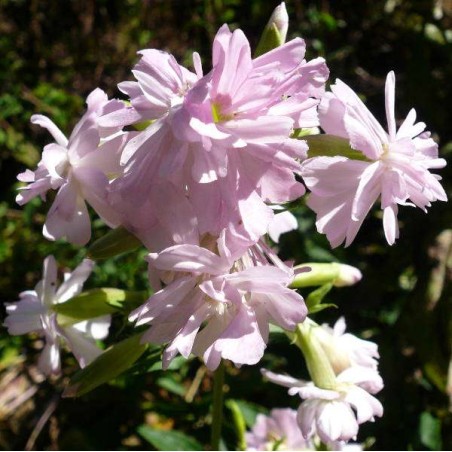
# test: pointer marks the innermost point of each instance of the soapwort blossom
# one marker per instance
(34, 313)
(222, 139)
(333, 414)
(79, 168)
(278, 431)
(215, 306)
(395, 166)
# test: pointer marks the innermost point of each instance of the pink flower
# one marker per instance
(223, 139)
(33, 313)
(217, 307)
(79, 168)
(396, 166)
(332, 414)
(278, 431)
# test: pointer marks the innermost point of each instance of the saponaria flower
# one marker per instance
(223, 139)
(79, 168)
(395, 166)
(278, 431)
(215, 306)
(332, 414)
(34, 313)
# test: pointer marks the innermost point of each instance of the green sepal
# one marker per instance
(97, 302)
(114, 242)
(270, 39)
(331, 146)
(107, 366)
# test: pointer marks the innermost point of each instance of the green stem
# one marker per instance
(319, 367)
(217, 409)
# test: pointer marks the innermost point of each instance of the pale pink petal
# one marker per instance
(73, 285)
(46, 123)
(282, 222)
(390, 223)
(242, 342)
(84, 349)
(190, 258)
(390, 104)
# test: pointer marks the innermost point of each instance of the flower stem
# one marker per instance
(217, 408)
(319, 367)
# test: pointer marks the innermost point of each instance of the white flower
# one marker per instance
(34, 313)
(332, 414)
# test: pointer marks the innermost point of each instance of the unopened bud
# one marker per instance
(339, 275)
(281, 20)
(275, 32)
(347, 276)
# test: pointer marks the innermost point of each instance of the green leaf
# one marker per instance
(97, 302)
(171, 385)
(316, 296)
(249, 411)
(107, 366)
(430, 431)
(114, 242)
(168, 439)
(321, 307)
(330, 146)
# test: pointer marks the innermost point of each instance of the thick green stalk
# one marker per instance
(319, 367)
(217, 408)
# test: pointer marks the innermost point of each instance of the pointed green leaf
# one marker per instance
(315, 298)
(320, 307)
(430, 431)
(168, 439)
(250, 411)
(114, 242)
(97, 302)
(107, 366)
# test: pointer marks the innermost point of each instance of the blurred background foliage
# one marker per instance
(55, 52)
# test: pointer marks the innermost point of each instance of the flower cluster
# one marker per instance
(200, 166)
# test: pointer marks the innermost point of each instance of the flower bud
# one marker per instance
(339, 275)
(275, 32)
(348, 276)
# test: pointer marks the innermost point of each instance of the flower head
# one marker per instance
(332, 414)
(33, 313)
(395, 168)
(217, 307)
(278, 431)
(222, 140)
(79, 168)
